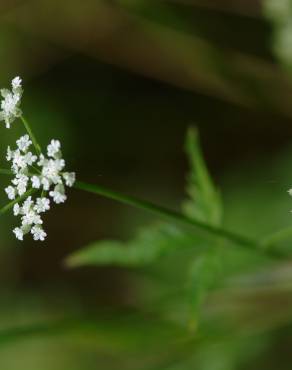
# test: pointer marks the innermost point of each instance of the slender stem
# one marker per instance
(19, 199)
(36, 169)
(4, 171)
(172, 215)
(278, 236)
(34, 141)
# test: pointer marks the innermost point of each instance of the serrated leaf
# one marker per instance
(203, 276)
(149, 245)
(204, 201)
(205, 204)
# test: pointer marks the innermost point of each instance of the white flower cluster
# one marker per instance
(40, 173)
(11, 101)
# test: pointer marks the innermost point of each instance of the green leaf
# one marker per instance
(204, 201)
(149, 245)
(204, 204)
(204, 274)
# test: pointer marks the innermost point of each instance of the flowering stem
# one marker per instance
(172, 215)
(19, 199)
(29, 131)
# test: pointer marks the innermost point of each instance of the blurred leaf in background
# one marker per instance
(176, 285)
(205, 201)
(280, 13)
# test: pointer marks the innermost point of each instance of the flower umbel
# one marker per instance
(10, 104)
(40, 172)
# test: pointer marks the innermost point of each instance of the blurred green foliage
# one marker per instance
(280, 13)
(182, 277)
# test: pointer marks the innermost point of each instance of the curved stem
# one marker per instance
(29, 131)
(172, 215)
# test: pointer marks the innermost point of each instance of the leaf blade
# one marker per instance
(149, 245)
(204, 201)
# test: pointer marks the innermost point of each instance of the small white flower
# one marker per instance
(45, 183)
(21, 188)
(38, 233)
(58, 194)
(18, 233)
(19, 161)
(51, 170)
(54, 148)
(31, 218)
(24, 143)
(16, 209)
(16, 83)
(42, 205)
(42, 160)
(290, 192)
(9, 155)
(27, 205)
(36, 182)
(69, 178)
(30, 158)
(11, 192)
(20, 181)
(11, 102)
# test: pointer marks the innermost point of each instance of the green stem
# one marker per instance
(172, 215)
(4, 171)
(266, 245)
(19, 199)
(278, 236)
(28, 129)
